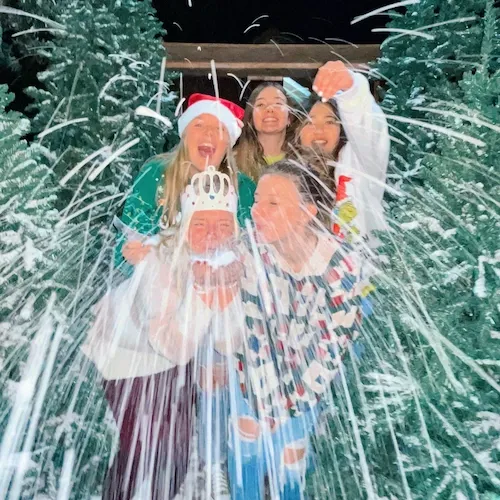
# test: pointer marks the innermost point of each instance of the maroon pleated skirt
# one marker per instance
(155, 417)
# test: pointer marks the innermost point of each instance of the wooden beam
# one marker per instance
(266, 59)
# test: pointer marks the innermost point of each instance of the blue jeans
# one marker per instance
(213, 416)
(252, 459)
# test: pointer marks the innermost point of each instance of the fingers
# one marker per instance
(134, 252)
(331, 78)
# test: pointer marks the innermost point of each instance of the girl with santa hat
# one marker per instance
(208, 130)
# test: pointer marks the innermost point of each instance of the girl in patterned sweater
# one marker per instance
(300, 320)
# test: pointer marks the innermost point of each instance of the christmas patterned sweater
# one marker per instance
(143, 207)
(293, 348)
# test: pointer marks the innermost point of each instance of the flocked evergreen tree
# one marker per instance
(421, 416)
(49, 397)
(104, 61)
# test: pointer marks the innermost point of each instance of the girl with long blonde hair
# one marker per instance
(208, 129)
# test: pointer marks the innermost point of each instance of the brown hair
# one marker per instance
(313, 184)
(249, 153)
(310, 103)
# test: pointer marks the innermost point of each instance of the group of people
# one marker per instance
(245, 287)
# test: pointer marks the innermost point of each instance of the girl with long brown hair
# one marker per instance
(269, 124)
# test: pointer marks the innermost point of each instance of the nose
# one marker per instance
(210, 131)
(318, 128)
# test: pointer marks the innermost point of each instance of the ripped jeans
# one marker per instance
(256, 451)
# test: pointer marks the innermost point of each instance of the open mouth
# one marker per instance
(320, 142)
(206, 150)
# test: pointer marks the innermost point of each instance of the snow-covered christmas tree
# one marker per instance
(49, 396)
(419, 417)
(105, 60)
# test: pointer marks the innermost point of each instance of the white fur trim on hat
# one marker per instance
(215, 108)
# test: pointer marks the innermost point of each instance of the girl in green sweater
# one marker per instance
(208, 129)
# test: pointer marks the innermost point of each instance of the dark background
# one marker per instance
(293, 21)
(225, 21)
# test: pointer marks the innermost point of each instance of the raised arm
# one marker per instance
(365, 126)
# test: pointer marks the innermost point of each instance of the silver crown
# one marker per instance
(209, 190)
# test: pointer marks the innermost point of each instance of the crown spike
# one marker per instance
(207, 191)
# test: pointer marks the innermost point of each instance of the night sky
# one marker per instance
(297, 21)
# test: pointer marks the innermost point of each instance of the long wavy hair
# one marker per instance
(248, 152)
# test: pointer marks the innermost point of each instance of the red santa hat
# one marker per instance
(228, 113)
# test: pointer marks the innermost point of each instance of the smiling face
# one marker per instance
(322, 129)
(278, 211)
(207, 141)
(210, 230)
(270, 111)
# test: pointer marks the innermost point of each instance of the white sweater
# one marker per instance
(365, 156)
(120, 341)
(143, 327)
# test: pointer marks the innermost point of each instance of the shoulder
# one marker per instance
(156, 165)
(245, 182)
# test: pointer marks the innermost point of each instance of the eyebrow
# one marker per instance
(277, 98)
(329, 115)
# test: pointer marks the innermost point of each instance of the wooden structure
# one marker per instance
(257, 62)
(268, 59)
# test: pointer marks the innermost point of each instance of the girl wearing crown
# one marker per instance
(162, 329)
(208, 129)
(300, 320)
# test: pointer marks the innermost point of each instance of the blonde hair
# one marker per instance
(249, 153)
(177, 177)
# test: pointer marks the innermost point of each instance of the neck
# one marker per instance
(272, 144)
(297, 248)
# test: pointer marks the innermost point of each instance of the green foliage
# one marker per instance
(427, 397)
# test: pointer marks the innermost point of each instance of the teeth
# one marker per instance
(321, 142)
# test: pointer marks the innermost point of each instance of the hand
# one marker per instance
(135, 251)
(207, 277)
(331, 78)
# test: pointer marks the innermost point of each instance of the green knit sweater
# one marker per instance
(142, 212)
